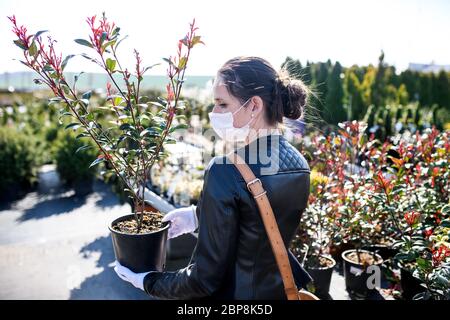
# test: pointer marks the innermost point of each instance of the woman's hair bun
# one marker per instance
(293, 95)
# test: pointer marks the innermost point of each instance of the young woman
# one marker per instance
(233, 258)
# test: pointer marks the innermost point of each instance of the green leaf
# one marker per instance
(82, 148)
(418, 248)
(51, 103)
(33, 49)
(55, 99)
(38, 34)
(442, 281)
(182, 63)
(170, 62)
(405, 256)
(147, 68)
(125, 126)
(445, 223)
(196, 40)
(48, 68)
(66, 59)
(63, 115)
(121, 41)
(117, 100)
(109, 43)
(54, 75)
(111, 65)
(180, 126)
(84, 43)
(103, 37)
(115, 31)
(157, 104)
(20, 44)
(84, 55)
(143, 117)
(87, 95)
(82, 135)
(159, 130)
(170, 141)
(148, 131)
(74, 125)
(96, 161)
(66, 88)
(423, 263)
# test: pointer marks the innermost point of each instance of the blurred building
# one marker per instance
(432, 67)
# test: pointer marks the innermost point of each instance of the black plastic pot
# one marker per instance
(336, 251)
(356, 275)
(411, 286)
(322, 278)
(140, 252)
(385, 251)
(428, 296)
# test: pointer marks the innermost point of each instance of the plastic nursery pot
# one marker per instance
(411, 286)
(356, 276)
(385, 251)
(427, 296)
(322, 278)
(140, 252)
(336, 251)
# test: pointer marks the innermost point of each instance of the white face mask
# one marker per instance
(222, 124)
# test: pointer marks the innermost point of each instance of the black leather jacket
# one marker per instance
(233, 258)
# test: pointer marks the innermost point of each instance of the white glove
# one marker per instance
(136, 279)
(183, 220)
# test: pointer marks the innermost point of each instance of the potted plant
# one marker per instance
(138, 128)
(357, 227)
(425, 258)
(415, 199)
(421, 167)
(312, 242)
(327, 160)
(356, 221)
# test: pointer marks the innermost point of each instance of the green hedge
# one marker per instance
(17, 161)
(73, 166)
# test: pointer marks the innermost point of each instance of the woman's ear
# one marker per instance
(258, 105)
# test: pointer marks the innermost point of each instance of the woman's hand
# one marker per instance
(183, 220)
(136, 279)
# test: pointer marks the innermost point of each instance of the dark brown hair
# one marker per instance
(247, 76)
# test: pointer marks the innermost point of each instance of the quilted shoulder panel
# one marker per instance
(290, 158)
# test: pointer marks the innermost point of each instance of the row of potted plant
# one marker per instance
(179, 185)
(386, 202)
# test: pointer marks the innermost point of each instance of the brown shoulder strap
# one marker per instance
(255, 186)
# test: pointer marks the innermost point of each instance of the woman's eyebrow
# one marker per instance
(218, 99)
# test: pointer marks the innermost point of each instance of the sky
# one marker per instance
(351, 32)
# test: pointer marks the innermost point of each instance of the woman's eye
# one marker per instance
(223, 105)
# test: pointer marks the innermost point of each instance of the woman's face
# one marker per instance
(224, 102)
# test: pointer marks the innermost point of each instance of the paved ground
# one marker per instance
(55, 246)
